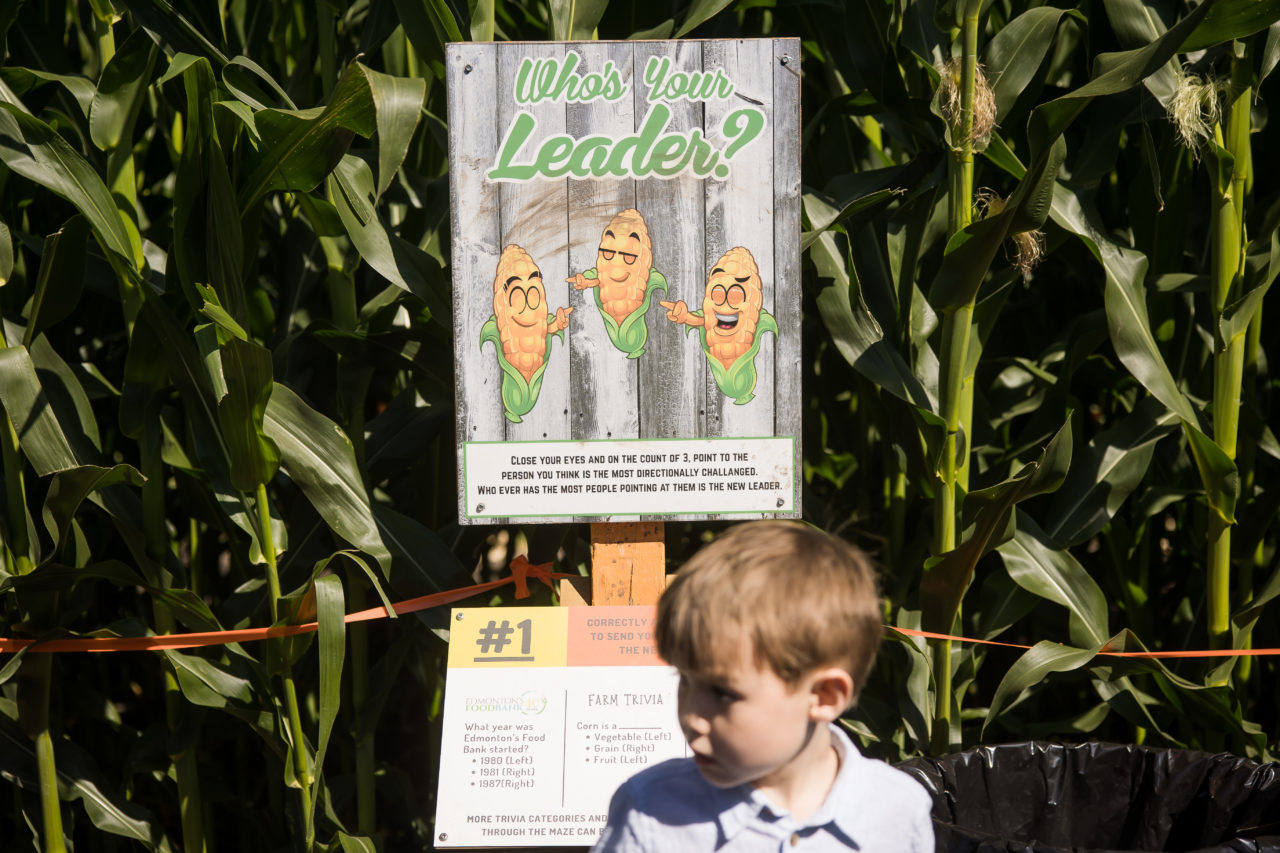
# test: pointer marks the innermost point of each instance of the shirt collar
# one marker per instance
(740, 806)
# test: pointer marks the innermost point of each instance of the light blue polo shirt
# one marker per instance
(671, 808)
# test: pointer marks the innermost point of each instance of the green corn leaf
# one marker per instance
(40, 432)
(25, 79)
(856, 333)
(397, 104)
(1113, 466)
(1137, 24)
(114, 107)
(32, 149)
(320, 459)
(1232, 19)
(165, 19)
(6, 254)
(190, 205)
(1125, 298)
(218, 315)
(1249, 613)
(223, 236)
(1030, 669)
(700, 11)
(254, 457)
(304, 145)
(356, 843)
(1038, 567)
(1003, 603)
(585, 16)
(970, 252)
(54, 577)
(1113, 73)
(948, 575)
(421, 562)
(1218, 473)
(1214, 702)
(191, 375)
(206, 683)
(384, 676)
(823, 216)
(1015, 54)
(245, 78)
(399, 261)
(61, 277)
(68, 490)
(1238, 315)
(330, 611)
(1270, 53)
(70, 401)
(189, 608)
(79, 779)
(429, 24)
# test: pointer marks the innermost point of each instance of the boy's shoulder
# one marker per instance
(876, 802)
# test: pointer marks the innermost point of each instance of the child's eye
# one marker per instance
(724, 694)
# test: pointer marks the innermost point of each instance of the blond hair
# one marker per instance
(802, 597)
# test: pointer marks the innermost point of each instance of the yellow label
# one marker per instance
(500, 637)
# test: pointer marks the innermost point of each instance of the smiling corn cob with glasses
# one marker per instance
(623, 280)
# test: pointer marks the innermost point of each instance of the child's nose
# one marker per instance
(693, 724)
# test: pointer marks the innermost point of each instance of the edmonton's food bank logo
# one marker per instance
(530, 703)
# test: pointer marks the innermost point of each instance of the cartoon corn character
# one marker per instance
(624, 280)
(732, 320)
(521, 329)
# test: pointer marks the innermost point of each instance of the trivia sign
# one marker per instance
(547, 710)
(626, 279)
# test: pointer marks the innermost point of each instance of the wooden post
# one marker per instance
(628, 566)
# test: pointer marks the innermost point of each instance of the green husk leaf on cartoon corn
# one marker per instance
(521, 330)
(623, 280)
(735, 298)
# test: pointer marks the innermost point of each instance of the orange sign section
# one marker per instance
(612, 636)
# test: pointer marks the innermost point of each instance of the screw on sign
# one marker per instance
(495, 637)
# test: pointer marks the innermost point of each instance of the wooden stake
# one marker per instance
(628, 565)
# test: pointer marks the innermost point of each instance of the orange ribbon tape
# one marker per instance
(521, 571)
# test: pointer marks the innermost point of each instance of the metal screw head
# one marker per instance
(780, 503)
(479, 507)
(459, 617)
(444, 836)
(466, 70)
(786, 58)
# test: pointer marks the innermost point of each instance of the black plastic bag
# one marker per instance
(1100, 797)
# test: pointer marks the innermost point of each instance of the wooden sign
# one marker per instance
(626, 271)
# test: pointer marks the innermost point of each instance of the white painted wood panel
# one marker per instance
(740, 213)
(473, 144)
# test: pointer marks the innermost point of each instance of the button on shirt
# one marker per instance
(671, 808)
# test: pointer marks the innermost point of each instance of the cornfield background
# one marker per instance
(1038, 242)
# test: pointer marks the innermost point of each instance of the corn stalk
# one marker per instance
(956, 330)
(1228, 251)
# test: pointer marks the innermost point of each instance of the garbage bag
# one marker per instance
(1099, 798)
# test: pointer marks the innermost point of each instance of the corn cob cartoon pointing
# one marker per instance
(623, 280)
(521, 330)
(731, 322)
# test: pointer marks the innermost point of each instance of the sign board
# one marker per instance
(547, 710)
(626, 273)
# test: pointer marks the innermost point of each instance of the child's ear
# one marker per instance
(832, 690)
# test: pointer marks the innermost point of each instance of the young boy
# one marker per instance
(773, 629)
